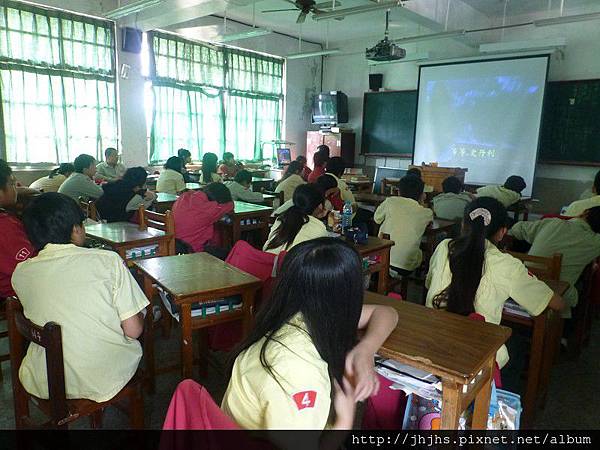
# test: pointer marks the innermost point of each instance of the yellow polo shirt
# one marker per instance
(88, 292)
(574, 239)
(500, 193)
(312, 229)
(504, 277)
(170, 181)
(405, 220)
(302, 398)
(451, 206)
(289, 185)
(577, 208)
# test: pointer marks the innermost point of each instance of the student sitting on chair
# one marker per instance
(451, 204)
(209, 169)
(186, 156)
(123, 197)
(305, 169)
(170, 180)
(52, 181)
(335, 168)
(405, 220)
(81, 182)
(328, 186)
(300, 222)
(577, 208)
(240, 188)
(196, 212)
(290, 181)
(578, 240)
(509, 194)
(301, 359)
(470, 274)
(229, 167)
(320, 159)
(89, 292)
(14, 243)
(110, 169)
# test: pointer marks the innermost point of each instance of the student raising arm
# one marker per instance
(303, 347)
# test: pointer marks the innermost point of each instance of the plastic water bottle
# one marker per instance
(347, 215)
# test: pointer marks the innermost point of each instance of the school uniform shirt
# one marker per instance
(577, 208)
(405, 220)
(573, 238)
(89, 305)
(106, 172)
(47, 184)
(229, 171)
(80, 185)
(316, 173)
(500, 193)
(504, 277)
(287, 205)
(588, 193)
(313, 229)
(214, 178)
(255, 400)
(289, 185)
(450, 206)
(239, 192)
(170, 181)
(14, 249)
(345, 192)
(195, 215)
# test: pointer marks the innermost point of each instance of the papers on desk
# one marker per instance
(514, 308)
(409, 379)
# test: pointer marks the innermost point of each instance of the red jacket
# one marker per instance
(195, 216)
(14, 248)
(316, 173)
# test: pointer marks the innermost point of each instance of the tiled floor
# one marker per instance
(570, 402)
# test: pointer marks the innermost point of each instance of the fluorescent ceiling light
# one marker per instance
(535, 44)
(566, 19)
(311, 54)
(429, 37)
(131, 8)
(422, 56)
(255, 32)
(340, 13)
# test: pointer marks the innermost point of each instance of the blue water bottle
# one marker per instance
(347, 215)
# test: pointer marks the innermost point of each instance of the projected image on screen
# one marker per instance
(484, 116)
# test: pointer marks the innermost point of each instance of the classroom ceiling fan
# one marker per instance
(306, 7)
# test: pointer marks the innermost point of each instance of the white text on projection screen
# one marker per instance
(484, 116)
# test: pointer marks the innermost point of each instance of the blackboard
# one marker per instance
(570, 131)
(389, 122)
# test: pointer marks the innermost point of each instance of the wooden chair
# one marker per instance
(545, 268)
(59, 411)
(3, 335)
(89, 208)
(164, 222)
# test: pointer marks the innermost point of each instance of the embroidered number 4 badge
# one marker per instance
(305, 399)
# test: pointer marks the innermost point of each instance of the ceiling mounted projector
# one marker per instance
(385, 50)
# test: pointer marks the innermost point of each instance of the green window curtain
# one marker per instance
(213, 99)
(57, 71)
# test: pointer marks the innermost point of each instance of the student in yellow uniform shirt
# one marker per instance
(577, 208)
(470, 274)
(301, 359)
(508, 194)
(209, 169)
(290, 181)
(171, 179)
(451, 204)
(89, 293)
(300, 222)
(405, 220)
(577, 240)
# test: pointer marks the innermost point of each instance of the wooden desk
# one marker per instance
(545, 342)
(371, 199)
(360, 185)
(452, 347)
(262, 184)
(521, 207)
(378, 247)
(254, 217)
(196, 278)
(164, 201)
(122, 236)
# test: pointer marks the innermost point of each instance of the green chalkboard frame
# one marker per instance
(541, 158)
(408, 155)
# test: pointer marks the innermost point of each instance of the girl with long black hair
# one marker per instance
(290, 181)
(300, 222)
(302, 360)
(209, 169)
(54, 179)
(470, 274)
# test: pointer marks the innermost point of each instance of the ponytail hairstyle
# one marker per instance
(65, 169)
(209, 166)
(294, 168)
(466, 254)
(307, 198)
